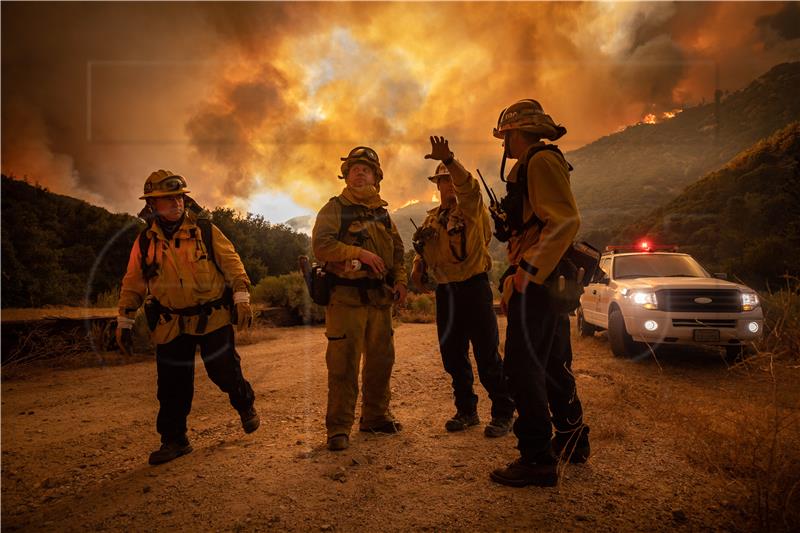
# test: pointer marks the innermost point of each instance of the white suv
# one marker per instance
(667, 298)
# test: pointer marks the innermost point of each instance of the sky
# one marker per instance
(255, 103)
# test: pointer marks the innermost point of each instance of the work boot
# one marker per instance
(391, 426)
(572, 446)
(522, 473)
(250, 419)
(338, 442)
(498, 427)
(169, 451)
(462, 421)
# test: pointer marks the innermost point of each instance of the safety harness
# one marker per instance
(153, 308)
(355, 213)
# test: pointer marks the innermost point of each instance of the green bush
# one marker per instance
(289, 290)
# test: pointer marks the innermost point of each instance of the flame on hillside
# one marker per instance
(652, 118)
(408, 203)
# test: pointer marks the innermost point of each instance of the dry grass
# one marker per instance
(258, 332)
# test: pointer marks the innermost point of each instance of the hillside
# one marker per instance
(59, 250)
(51, 242)
(625, 175)
(743, 219)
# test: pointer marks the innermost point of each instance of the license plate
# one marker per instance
(706, 335)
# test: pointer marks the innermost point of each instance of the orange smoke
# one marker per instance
(256, 98)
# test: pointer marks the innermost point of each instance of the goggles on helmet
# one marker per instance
(171, 184)
(362, 152)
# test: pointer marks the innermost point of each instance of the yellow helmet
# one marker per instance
(440, 172)
(528, 115)
(164, 183)
(362, 154)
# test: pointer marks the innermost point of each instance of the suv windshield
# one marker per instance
(657, 266)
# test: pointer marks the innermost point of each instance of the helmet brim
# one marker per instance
(158, 194)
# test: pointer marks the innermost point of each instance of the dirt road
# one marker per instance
(75, 446)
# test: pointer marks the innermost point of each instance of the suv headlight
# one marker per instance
(646, 299)
(749, 301)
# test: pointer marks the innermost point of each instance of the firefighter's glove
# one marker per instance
(505, 296)
(124, 335)
(244, 313)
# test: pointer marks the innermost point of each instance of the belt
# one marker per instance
(483, 276)
(362, 284)
(204, 310)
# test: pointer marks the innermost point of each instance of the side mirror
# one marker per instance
(721, 275)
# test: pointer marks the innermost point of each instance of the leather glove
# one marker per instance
(124, 335)
(244, 313)
(505, 296)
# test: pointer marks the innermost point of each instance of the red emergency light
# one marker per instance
(641, 246)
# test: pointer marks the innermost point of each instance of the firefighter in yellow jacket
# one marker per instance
(542, 221)
(190, 288)
(363, 255)
(453, 241)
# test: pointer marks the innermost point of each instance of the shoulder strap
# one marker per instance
(206, 234)
(523, 171)
(148, 271)
(350, 213)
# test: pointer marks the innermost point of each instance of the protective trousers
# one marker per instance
(464, 314)
(351, 331)
(538, 366)
(175, 364)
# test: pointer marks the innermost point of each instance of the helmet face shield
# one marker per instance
(164, 183)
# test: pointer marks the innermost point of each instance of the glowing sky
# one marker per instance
(255, 103)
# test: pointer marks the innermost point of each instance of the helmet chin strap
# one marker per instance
(505, 156)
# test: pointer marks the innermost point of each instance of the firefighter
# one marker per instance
(192, 282)
(542, 219)
(363, 255)
(454, 239)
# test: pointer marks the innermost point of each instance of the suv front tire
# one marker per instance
(622, 344)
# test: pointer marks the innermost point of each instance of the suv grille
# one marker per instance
(683, 300)
(702, 323)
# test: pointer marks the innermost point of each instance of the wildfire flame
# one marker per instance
(408, 203)
(649, 118)
(435, 197)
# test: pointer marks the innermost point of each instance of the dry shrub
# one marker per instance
(419, 309)
(782, 321)
(255, 334)
(290, 291)
(755, 445)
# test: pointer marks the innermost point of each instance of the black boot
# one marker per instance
(498, 427)
(169, 451)
(462, 421)
(250, 420)
(522, 473)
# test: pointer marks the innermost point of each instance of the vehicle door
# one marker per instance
(605, 292)
(591, 296)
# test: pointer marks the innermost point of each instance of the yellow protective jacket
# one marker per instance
(186, 277)
(538, 250)
(365, 232)
(463, 252)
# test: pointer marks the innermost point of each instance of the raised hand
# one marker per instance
(440, 150)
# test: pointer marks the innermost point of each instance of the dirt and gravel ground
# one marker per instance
(669, 437)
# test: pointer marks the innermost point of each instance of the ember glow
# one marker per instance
(248, 99)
